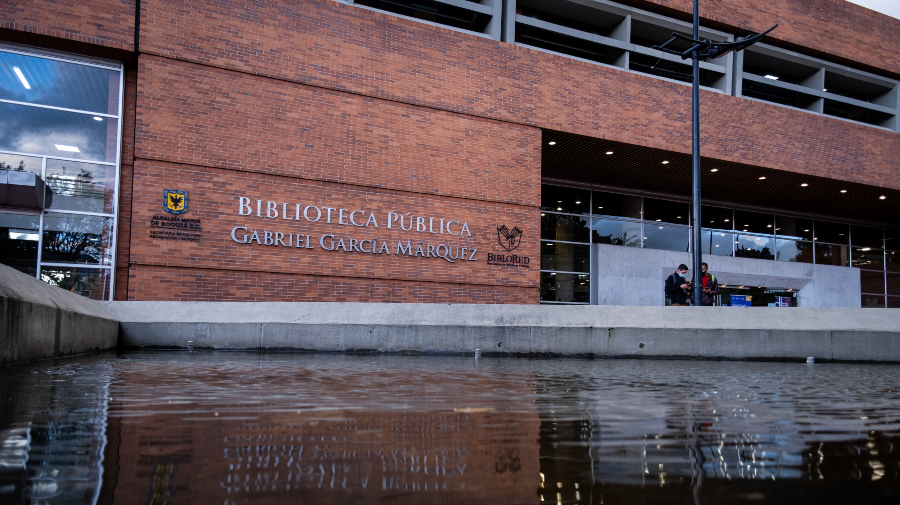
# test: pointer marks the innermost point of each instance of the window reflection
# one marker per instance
(59, 84)
(837, 255)
(73, 238)
(864, 236)
(565, 257)
(19, 241)
(835, 233)
(88, 282)
(83, 187)
(871, 282)
(564, 227)
(794, 227)
(665, 211)
(608, 231)
(561, 199)
(754, 222)
(613, 204)
(57, 133)
(868, 258)
(669, 238)
(557, 287)
(19, 163)
(716, 242)
(754, 246)
(797, 251)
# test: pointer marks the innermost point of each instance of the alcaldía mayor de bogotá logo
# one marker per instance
(175, 201)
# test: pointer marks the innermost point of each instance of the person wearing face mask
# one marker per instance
(677, 287)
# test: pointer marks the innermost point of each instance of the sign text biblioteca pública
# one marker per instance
(359, 218)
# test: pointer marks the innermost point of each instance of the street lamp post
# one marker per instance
(701, 49)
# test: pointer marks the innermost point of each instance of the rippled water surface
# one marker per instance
(230, 428)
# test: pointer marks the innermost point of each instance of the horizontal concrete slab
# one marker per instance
(697, 332)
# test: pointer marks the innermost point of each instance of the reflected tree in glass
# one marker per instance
(77, 239)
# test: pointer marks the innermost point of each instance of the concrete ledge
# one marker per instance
(40, 321)
(626, 331)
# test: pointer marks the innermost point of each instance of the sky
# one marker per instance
(889, 7)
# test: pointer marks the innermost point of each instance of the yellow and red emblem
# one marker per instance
(175, 201)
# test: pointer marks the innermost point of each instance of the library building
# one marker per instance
(448, 151)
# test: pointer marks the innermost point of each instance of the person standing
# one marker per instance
(710, 286)
(677, 287)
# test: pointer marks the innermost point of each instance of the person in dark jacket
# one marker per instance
(677, 287)
(710, 286)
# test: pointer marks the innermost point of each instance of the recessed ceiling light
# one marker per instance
(559, 208)
(599, 207)
(843, 191)
(609, 152)
(98, 118)
(548, 244)
(768, 226)
(542, 213)
(559, 201)
(805, 230)
(882, 197)
(21, 78)
(804, 185)
(762, 178)
(665, 163)
(770, 76)
(714, 170)
(679, 217)
(727, 220)
(866, 249)
(577, 202)
(659, 219)
(552, 143)
(71, 149)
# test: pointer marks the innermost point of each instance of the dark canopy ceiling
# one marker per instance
(584, 160)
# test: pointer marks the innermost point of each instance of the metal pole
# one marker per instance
(695, 195)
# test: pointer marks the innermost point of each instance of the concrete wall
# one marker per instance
(633, 276)
(39, 321)
(696, 332)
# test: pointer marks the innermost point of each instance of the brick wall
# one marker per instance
(340, 47)
(107, 23)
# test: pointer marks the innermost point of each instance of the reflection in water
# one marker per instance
(250, 428)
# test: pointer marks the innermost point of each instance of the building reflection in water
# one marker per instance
(246, 428)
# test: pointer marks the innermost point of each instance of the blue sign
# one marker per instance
(741, 300)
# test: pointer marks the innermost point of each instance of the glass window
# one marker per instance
(83, 187)
(863, 236)
(609, 231)
(893, 302)
(893, 284)
(868, 258)
(90, 282)
(835, 233)
(891, 238)
(570, 200)
(892, 261)
(564, 227)
(19, 163)
(669, 238)
(717, 218)
(58, 133)
(718, 243)
(75, 238)
(754, 222)
(871, 282)
(565, 257)
(873, 301)
(796, 251)
(19, 241)
(666, 211)
(614, 204)
(837, 255)
(59, 84)
(794, 227)
(556, 287)
(754, 246)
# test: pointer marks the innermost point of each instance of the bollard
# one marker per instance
(810, 361)
(190, 346)
(477, 353)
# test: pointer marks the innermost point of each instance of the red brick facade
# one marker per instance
(315, 102)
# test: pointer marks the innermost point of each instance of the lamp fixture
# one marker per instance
(609, 152)
(98, 118)
(71, 149)
(714, 170)
(559, 208)
(882, 197)
(843, 191)
(665, 163)
(770, 76)
(762, 178)
(21, 77)
(804, 185)
(577, 202)
(551, 143)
